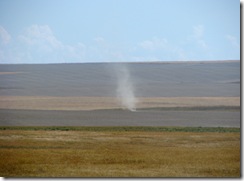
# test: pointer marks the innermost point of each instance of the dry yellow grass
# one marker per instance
(118, 154)
(92, 103)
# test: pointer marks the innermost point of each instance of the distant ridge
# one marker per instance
(137, 62)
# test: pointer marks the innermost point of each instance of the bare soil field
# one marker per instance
(119, 154)
(167, 94)
(106, 111)
(10, 73)
(187, 79)
(221, 117)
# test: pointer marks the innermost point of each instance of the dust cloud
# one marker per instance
(125, 91)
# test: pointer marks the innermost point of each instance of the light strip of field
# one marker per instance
(95, 103)
(10, 73)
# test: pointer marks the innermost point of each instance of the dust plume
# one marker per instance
(125, 90)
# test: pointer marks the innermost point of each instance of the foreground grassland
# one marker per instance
(117, 152)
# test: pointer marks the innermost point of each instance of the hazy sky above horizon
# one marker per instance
(65, 31)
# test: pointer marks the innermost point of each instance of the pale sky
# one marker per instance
(70, 31)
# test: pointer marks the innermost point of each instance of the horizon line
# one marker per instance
(159, 61)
